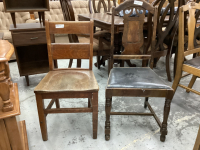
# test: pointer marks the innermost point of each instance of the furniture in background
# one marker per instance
(68, 83)
(23, 6)
(191, 66)
(12, 132)
(102, 36)
(30, 45)
(136, 81)
(100, 48)
(6, 21)
(166, 23)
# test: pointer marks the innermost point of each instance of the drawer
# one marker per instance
(29, 38)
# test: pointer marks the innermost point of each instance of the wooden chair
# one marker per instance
(99, 48)
(164, 36)
(190, 66)
(71, 82)
(95, 7)
(136, 81)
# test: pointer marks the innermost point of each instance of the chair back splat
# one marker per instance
(133, 38)
(95, 6)
(69, 50)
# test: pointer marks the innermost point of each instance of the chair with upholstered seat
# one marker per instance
(68, 83)
(136, 81)
(191, 66)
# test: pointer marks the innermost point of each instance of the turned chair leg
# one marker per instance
(163, 129)
(107, 123)
(98, 62)
(42, 117)
(57, 103)
(192, 81)
(95, 114)
(146, 100)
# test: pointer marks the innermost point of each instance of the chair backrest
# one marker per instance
(193, 11)
(68, 14)
(133, 38)
(95, 6)
(69, 50)
(167, 17)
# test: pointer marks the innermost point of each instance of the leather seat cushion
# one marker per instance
(137, 77)
(195, 62)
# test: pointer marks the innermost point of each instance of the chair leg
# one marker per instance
(146, 100)
(95, 114)
(168, 67)
(89, 105)
(57, 103)
(176, 81)
(42, 117)
(107, 123)
(163, 129)
(122, 63)
(98, 62)
(192, 81)
(78, 63)
(70, 63)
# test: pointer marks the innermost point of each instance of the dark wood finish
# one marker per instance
(22, 6)
(68, 15)
(30, 48)
(95, 7)
(191, 48)
(6, 51)
(68, 83)
(133, 43)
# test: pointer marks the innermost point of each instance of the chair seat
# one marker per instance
(68, 80)
(137, 77)
(195, 62)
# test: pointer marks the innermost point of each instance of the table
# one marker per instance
(30, 44)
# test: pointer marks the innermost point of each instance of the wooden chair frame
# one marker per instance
(191, 49)
(134, 92)
(68, 51)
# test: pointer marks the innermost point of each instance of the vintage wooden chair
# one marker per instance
(191, 66)
(164, 36)
(197, 142)
(99, 47)
(71, 82)
(136, 81)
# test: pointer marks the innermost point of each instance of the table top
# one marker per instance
(102, 17)
(6, 50)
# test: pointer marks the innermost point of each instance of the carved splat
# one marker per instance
(133, 42)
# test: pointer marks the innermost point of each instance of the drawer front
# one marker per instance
(29, 38)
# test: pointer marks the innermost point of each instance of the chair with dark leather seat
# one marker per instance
(191, 66)
(136, 81)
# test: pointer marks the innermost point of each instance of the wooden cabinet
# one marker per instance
(12, 131)
(39, 6)
(30, 48)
